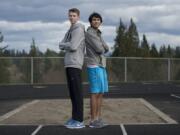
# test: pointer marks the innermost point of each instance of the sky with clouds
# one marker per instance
(46, 20)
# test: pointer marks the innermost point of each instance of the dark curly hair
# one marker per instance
(97, 15)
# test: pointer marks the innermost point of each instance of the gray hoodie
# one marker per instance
(74, 46)
(95, 48)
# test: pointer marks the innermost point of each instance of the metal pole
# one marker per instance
(32, 70)
(125, 69)
(169, 70)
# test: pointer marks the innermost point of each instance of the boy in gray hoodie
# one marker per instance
(96, 63)
(74, 46)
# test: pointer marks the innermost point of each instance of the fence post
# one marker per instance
(32, 70)
(169, 69)
(125, 69)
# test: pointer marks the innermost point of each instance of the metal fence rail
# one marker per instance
(50, 70)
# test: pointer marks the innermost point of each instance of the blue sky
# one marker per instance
(46, 20)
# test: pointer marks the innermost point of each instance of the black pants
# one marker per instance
(75, 90)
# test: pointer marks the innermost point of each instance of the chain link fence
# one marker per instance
(50, 70)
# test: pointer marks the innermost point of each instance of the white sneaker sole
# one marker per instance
(98, 127)
(92, 126)
(69, 127)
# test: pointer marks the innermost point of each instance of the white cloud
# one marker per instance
(170, 22)
(18, 35)
(163, 38)
(31, 26)
(45, 20)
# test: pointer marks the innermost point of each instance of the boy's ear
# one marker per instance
(78, 17)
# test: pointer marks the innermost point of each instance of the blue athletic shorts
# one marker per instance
(97, 77)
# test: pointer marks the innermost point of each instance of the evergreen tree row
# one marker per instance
(128, 44)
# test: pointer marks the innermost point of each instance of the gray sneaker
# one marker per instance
(102, 123)
(94, 124)
(97, 124)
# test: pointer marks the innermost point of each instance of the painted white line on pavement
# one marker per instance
(173, 95)
(11, 113)
(158, 112)
(148, 123)
(123, 129)
(37, 130)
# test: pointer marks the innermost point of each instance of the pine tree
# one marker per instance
(119, 50)
(4, 64)
(37, 63)
(177, 52)
(34, 51)
(1, 40)
(145, 51)
(48, 62)
(127, 40)
(1, 37)
(24, 53)
(170, 52)
(132, 39)
(2, 49)
(120, 40)
(61, 54)
(153, 51)
(163, 51)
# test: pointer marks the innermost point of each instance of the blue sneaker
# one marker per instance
(76, 125)
(69, 122)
